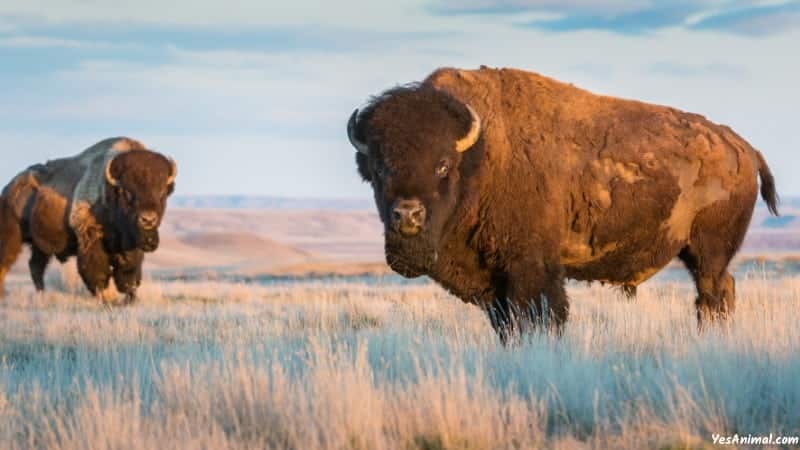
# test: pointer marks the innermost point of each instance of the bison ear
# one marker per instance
(362, 161)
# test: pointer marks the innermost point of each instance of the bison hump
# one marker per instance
(90, 189)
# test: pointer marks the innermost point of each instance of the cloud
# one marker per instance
(6, 26)
(26, 41)
(710, 70)
(633, 22)
(283, 93)
(755, 21)
(277, 37)
(594, 70)
(637, 17)
(214, 14)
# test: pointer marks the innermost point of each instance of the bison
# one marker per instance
(103, 205)
(499, 184)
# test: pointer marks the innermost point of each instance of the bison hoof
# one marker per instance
(105, 298)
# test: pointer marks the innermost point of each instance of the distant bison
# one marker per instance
(104, 205)
(499, 184)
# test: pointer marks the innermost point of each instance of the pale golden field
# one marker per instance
(353, 366)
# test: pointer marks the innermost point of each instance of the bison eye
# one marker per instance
(442, 169)
(382, 171)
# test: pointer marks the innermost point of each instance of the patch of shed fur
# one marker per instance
(85, 225)
(602, 196)
(604, 172)
(608, 169)
(696, 194)
(575, 250)
(650, 160)
(719, 153)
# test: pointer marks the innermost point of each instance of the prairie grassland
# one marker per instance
(351, 366)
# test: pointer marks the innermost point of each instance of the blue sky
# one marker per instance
(252, 97)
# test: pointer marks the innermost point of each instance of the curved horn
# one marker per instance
(173, 171)
(351, 134)
(474, 133)
(110, 178)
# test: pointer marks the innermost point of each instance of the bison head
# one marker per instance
(139, 182)
(410, 145)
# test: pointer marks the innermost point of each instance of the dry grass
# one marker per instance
(349, 366)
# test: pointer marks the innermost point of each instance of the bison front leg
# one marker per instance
(536, 296)
(503, 319)
(469, 280)
(38, 265)
(94, 267)
(128, 273)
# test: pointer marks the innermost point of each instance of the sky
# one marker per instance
(251, 97)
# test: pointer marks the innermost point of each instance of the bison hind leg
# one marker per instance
(728, 292)
(10, 241)
(38, 265)
(716, 291)
(716, 235)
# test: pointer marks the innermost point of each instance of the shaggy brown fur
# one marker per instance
(68, 207)
(562, 183)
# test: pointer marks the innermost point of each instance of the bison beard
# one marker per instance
(410, 257)
(126, 235)
(148, 241)
(532, 181)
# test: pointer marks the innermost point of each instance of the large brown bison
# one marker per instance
(499, 184)
(104, 205)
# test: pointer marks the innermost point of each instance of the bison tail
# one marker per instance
(768, 192)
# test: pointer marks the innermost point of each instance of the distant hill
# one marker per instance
(268, 202)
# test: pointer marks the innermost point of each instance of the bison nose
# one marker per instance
(408, 216)
(148, 220)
